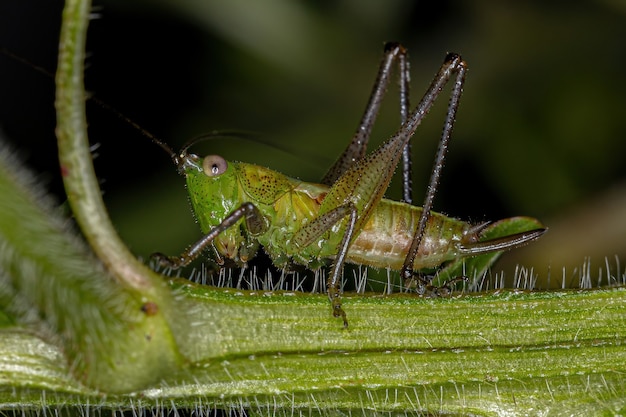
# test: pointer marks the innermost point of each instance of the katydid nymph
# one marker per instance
(241, 206)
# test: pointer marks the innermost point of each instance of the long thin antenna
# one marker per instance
(99, 102)
(176, 157)
(26, 62)
(167, 148)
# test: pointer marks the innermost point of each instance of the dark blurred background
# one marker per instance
(540, 130)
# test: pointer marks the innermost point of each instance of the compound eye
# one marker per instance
(214, 165)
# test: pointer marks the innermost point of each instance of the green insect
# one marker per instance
(242, 206)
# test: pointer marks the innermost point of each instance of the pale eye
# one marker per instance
(214, 165)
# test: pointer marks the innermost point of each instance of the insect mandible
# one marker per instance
(241, 206)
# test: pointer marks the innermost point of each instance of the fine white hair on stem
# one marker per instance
(585, 276)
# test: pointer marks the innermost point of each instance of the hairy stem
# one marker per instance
(81, 184)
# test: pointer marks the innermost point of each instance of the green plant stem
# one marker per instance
(505, 352)
(52, 285)
(81, 185)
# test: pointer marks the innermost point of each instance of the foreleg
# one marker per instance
(255, 224)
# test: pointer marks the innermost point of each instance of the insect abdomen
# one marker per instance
(386, 237)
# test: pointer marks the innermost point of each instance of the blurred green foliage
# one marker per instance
(540, 130)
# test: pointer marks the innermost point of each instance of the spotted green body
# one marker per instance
(288, 204)
(346, 219)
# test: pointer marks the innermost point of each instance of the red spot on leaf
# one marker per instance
(150, 308)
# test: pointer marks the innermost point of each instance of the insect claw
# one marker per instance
(423, 285)
(172, 262)
(446, 289)
(338, 311)
(418, 282)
